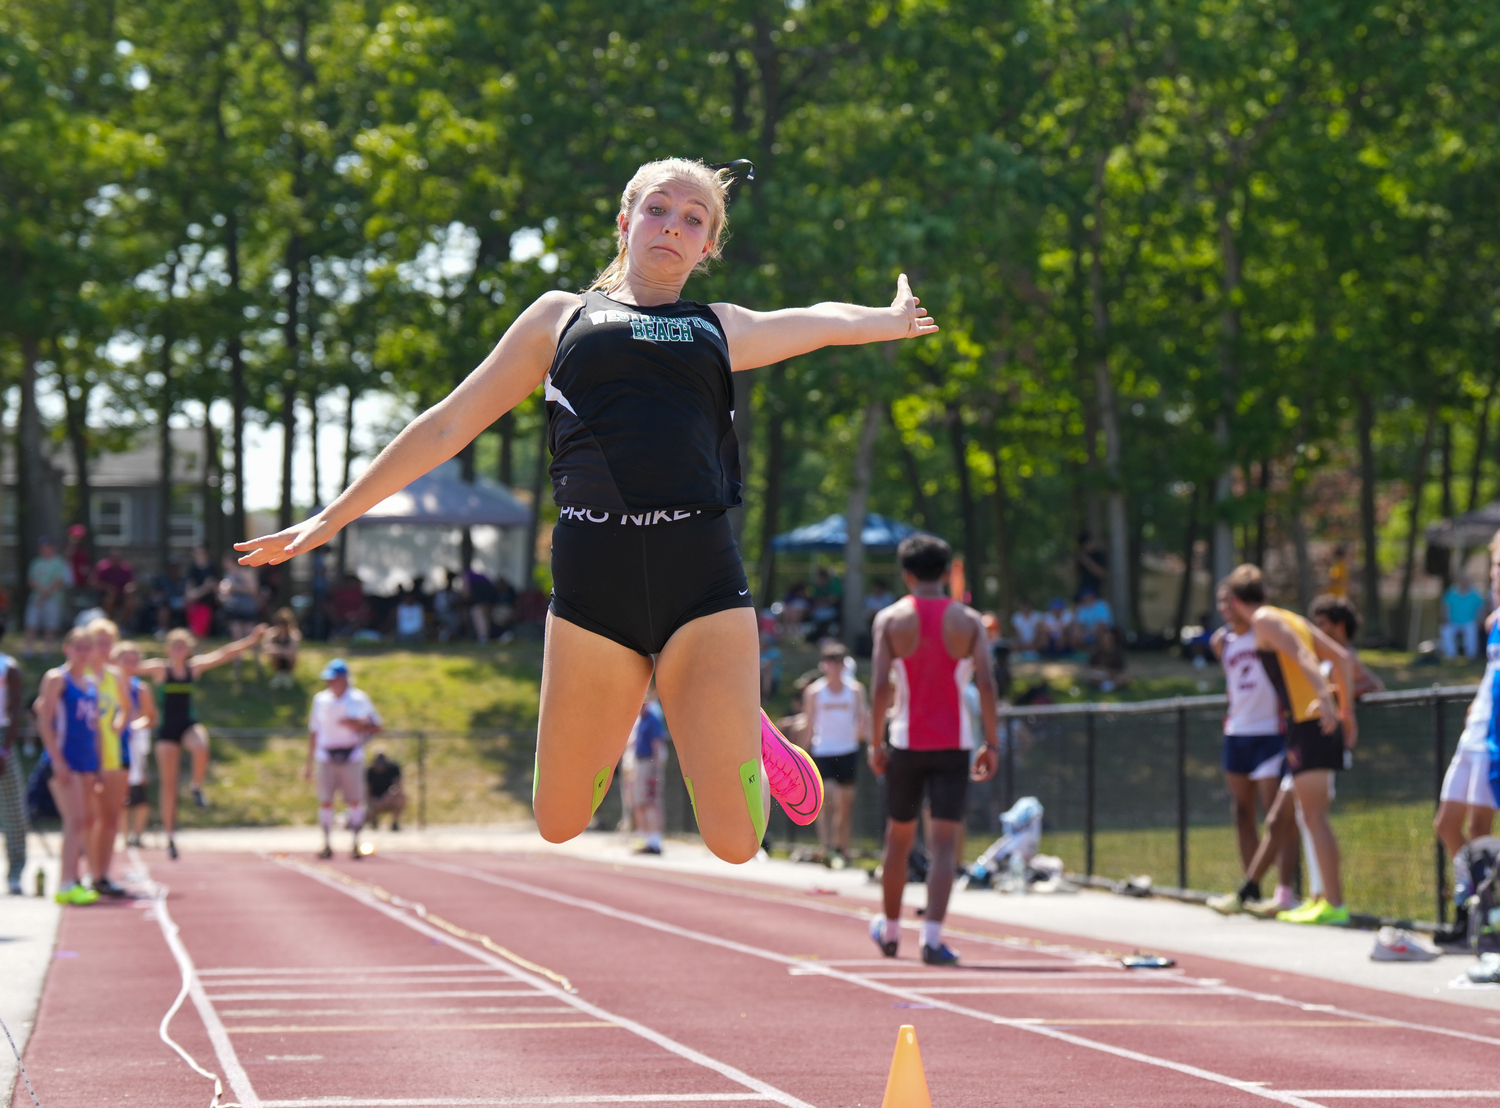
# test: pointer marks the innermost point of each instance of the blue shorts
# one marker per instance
(1254, 756)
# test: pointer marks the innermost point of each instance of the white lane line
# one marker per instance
(404, 1013)
(360, 996)
(293, 971)
(494, 1102)
(541, 984)
(1400, 1094)
(1042, 990)
(229, 1061)
(1054, 980)
(890, 990)
(374, 979)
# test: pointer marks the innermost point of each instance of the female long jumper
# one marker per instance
(646, 574)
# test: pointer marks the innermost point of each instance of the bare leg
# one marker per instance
(196, 740)
(74, 809)
(942, 844)
(1449, 824)
(111, 800)
(843, 803)
(168, 760)
(1480, 820)
(708, 677)
(1242, 810)
(898, 841)
(1312, 795)
(827, 821)
(1268, 788)
(592, 689)
(1281, 830)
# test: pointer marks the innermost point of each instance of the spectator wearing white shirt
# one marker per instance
(340, 722)
(1057, 628)
(1027, 622)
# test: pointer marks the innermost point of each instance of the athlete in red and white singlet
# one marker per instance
(928, 650)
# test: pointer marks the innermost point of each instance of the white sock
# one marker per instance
(892, 930)
(932, 933)
(653, 840)
(1285, 894)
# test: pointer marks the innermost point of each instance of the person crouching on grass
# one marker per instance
(340, 722)
(1319, 732)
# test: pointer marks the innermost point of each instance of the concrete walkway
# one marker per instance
(28, 930)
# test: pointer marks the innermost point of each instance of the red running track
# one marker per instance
(407, 980)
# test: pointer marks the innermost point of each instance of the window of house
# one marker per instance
(111, 515)
(186, 521)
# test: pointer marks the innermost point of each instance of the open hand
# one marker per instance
(917, 321)
(296, 539)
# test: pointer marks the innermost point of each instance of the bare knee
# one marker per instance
(557, 821)
(735, 847)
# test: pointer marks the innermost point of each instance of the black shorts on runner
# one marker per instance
(135, 796)
(637, 578)
(1307, 748)
(943, 773)
(838, 768)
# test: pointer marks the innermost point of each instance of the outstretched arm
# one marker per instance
(762, 338)
(511, 372)
(199, 663)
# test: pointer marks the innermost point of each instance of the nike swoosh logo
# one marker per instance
(744, 592)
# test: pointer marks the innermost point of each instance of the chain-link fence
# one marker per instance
(1128, 788)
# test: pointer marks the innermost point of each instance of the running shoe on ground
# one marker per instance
(1324, 913)
(791, 773)
(1308, 907)
(326, 852)
(105, 887)
(647, 848)
(75, 894)
(356, 853)
(1229, 904)
(1272, 906)
(171, 850)
(133, 840)
(395, 825)
(198, 797)
(877, 935)
(1394, 944)
(1487, 972)
(939, 956)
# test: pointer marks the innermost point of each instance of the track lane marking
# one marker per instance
(1079, 955)
(491, 1101)
(1400, 1094)
(268, 1013)
(372, 979)
(243, 971)
(229, 1061)
(408, 1028)
(876, 986)
(357, 996)
(765, 1090)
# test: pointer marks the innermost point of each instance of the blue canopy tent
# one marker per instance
(828, 536)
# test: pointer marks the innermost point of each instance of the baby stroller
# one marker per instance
(1011, 852)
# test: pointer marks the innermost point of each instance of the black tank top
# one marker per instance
(638, 409)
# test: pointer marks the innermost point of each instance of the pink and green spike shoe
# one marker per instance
(790, 771)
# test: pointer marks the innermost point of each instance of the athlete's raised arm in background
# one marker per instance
(507, 376)
(764, 338)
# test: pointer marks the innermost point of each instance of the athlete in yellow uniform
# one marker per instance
(1319, 729)
(114, 723)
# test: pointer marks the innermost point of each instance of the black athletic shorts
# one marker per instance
(838, 768)
(637, 578)
(944, 773)
(135, 796)
(1308, 748)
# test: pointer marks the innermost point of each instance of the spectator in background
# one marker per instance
(880, 597)
(349, 607)
(239, 600)
(794, 608)
(1462, 604)
(1106, 670)
(838, 722)
(503, 610)
(80, 564)
(1338, 572)
(648, 741)
(12, 784)
(383, 783)
(1088, 562)
(170, 597)
(1057, 629)
(1093, 615)
(447, 609)
(341, 721)
(281, 645)
(479, 592)
(411, 617)
(202, 591)
(48, 577)
(770, 654)
(1026, 622)
(1337, 618)
(827, 599)
(114, 578)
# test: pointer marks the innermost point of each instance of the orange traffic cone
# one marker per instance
(907, 1086)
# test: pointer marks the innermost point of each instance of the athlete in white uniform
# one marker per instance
(838, 718)
(1254, 744)
(341, 720)
(1471, 787)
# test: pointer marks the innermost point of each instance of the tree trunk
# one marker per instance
(213, 490)
(1002, 536)
(854, 524)
(1108, 416)
(507, 460)
(1229, 372)
(466, 474)
(1374, 617)
(1481, 444)
(913, 474)
(238, 402)
(1260, 514)
(743, 427)
(317, 476)
(1414, 518)
(770, 512)
(292, 341)
(1447, 465)
(1189, 549)
(350, 397)
(75, 415)
(164, 461)
(30, 508)
(973, 554)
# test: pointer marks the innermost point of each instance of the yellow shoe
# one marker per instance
(75, 894)
(1303, 913)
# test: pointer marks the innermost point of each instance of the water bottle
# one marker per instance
(1017, 874)
(41, 882)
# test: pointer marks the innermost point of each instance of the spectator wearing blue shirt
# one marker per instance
(1462, 604)
(648, 742)
(1093, 614)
